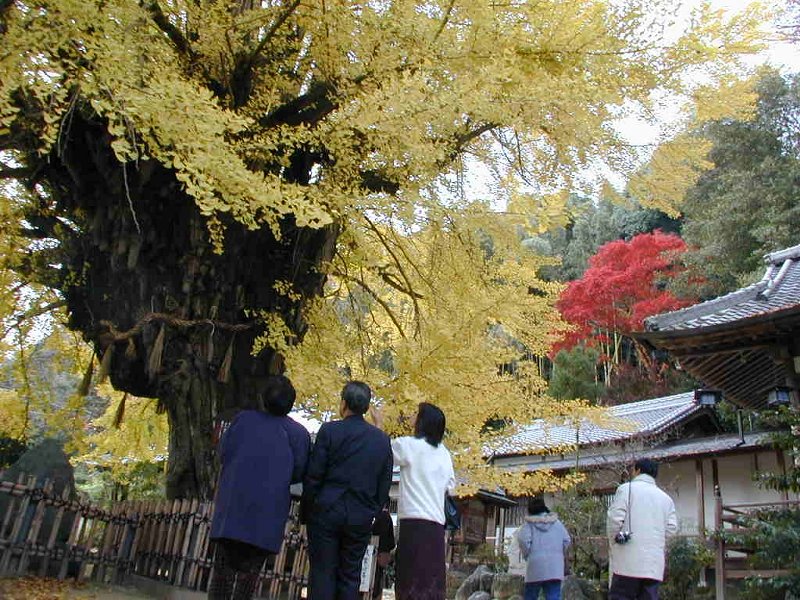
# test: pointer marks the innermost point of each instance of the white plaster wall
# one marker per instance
(736, 484)
(679, 480)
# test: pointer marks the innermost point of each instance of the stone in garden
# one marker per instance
(486, 581)
(480, 595)
(504, 586)
(571, 589)
(472, 583)
(46, 460)
(453, 581)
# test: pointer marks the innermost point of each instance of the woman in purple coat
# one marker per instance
(261, 455)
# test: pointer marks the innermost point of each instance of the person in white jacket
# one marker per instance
(426, 474)
(639, 520)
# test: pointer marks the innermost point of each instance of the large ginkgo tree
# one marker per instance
(190, 177)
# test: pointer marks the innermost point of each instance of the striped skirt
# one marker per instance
(419, 561)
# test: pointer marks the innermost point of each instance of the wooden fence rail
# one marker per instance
(46, 534)
(732, 560)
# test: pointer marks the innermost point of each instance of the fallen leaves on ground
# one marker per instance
(34, 588)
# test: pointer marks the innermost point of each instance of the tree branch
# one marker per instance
(389, 280)
(161, 20)
(309, 108)
(375, 296)
(399, 266)
(37, 311)
(445, 20)
(469, 135)
(274, 28)
(374, 181)
(15, 173)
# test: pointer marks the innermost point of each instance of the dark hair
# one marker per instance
(536, 506)
(430, 424)
(647, 466)
(356, 396)
(279, 395)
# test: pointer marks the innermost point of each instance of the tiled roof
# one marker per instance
(778, 290)
(679, 449)
(628, 421)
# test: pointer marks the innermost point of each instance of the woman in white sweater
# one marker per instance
(426, 473)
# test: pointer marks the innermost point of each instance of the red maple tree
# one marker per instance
(624, 284)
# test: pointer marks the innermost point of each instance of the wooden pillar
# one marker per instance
(501, 540)
(715, 477)
(701, 498)
(781, 458)
(719, 575)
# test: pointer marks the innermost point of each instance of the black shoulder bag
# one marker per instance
(452, 518)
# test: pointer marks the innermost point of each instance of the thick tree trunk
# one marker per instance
(191, 469)
(141, 280)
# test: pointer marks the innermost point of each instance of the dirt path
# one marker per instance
(50, 589)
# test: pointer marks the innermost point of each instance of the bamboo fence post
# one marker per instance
(299, 565)
(152, 546)
(36, 524)
(173, 522)
(188, 535)
(92, 518)
(205, 564)
(12, 488)
(135, 523)
(196, 547)
(146, 518)
(280, 561)
(122, 540)
(182, 532)
(74, 532)
(51, 540)
(163, 536)
(99, 572)
(9, 488)
(17, 527)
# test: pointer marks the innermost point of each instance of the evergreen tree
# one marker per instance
(747, 204)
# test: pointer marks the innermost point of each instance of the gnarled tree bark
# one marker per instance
(141, 280)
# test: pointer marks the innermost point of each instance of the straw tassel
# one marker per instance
(86, 382)
(225, 369)
(130, 350)
(156, 353)
(120, 412)
(105, 363)
(210, 346)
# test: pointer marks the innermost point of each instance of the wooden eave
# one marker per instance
(744, 358)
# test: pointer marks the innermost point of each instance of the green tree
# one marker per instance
(746, 205)
(189, 175)
(590, 225)
(575, 374)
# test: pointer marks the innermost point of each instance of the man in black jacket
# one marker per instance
(346, 484)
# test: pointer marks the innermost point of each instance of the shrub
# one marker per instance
(686, 558)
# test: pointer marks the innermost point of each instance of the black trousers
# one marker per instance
(632, 588)
(336, 550)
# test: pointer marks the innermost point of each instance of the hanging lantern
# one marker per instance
(705, 397)
(780, 395)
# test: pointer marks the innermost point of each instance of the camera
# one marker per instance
(623, 537)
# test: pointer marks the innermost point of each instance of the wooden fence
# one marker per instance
(733, 520)
(47, 534)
